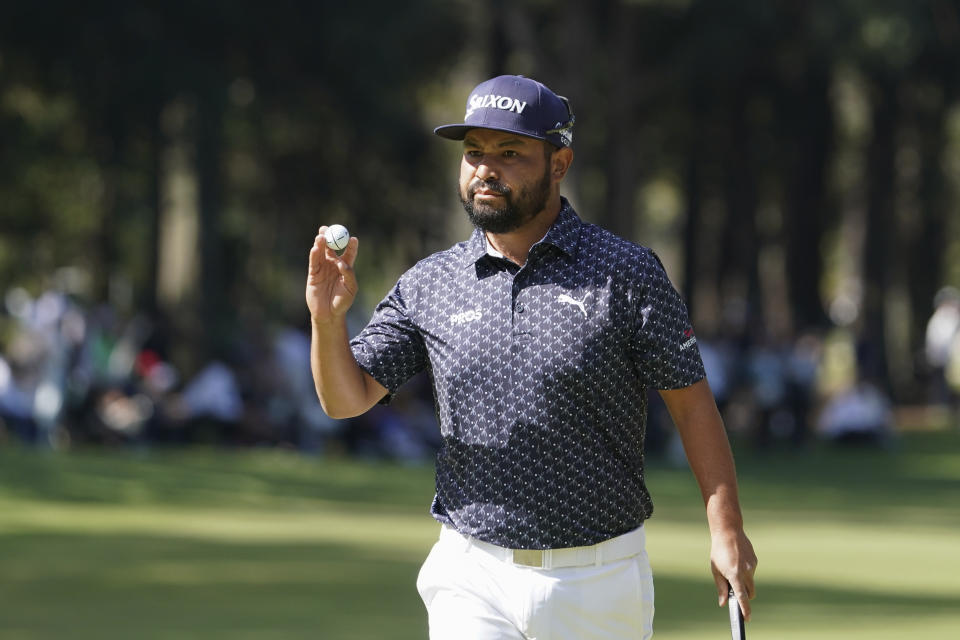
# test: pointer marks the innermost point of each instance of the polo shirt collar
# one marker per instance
(564, 234)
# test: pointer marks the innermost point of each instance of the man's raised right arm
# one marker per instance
(345, 390)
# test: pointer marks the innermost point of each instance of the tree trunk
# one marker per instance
(112, 204)
(806, 215)
(739, 254)
(879, 254)
(213, 284)
(620, 107)
(151, 294)
(499, 51)
(693, 195)
(926, 273)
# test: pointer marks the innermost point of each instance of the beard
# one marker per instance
(517, 209)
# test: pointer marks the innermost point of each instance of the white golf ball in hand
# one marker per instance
(337, 237)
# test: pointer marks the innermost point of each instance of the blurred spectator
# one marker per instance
(405, 430)
(16, 413)
(860, 415)
(46, 334)
(296, 400)
(69, 374)
(940, 346)
(768, 378)
(803, 367)
(209, 407)
(719, 363)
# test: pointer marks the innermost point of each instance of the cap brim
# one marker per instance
(459, 131)
(452, 131)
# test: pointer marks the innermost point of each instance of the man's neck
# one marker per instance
(515, 245)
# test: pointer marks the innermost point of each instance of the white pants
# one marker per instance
(474, 591)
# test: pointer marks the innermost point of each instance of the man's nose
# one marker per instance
(485, 170)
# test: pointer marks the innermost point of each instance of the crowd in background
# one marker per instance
(74, 376)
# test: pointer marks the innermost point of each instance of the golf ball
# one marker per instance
(337, 237)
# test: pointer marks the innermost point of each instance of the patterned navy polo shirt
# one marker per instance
(539, 376)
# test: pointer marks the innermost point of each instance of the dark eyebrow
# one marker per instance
(509, 142)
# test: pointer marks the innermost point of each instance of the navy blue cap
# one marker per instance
(518, 105)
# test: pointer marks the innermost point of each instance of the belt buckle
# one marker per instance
(528, 557)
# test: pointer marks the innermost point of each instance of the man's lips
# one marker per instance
(486, 190)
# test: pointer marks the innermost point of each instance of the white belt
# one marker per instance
(623, 546)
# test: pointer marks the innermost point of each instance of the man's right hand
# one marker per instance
(331, 282)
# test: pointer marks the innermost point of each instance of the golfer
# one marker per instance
(541, 335)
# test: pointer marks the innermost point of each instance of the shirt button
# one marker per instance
(519, 307)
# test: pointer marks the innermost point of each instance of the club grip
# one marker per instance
(736, 617)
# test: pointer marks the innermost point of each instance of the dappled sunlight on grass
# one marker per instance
(138, 586)
(871, 559)
(256, 544)
(687, 608)
(325, 523)
(852, 544)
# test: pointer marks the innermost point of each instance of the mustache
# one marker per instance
(492, 185)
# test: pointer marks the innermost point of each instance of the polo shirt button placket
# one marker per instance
(520, 322)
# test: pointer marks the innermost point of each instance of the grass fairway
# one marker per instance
(268, 544)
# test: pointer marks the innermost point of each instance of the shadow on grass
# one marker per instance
(58, 586)
(684, 605)
(844, 481)
(125, 586)
(202, 476)
(105, 587)
(838, 483)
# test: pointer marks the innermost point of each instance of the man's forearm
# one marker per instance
(344, 389)
(732, 558)
(708, 451)
(711, 460)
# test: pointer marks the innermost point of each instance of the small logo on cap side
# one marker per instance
(491, 101)
(565, 131)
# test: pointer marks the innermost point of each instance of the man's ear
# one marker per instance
(560, 162)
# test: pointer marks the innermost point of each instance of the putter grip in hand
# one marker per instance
(736, 618)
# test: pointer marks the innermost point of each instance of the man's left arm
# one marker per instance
(732, 559)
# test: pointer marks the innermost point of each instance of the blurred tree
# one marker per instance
(804, 63)
(292, 114)
(909, 55)
(258, 123)
(932, 91)
(737, 99)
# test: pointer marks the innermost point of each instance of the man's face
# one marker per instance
(504, 179)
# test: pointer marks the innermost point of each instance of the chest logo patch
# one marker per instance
(580, 304)
(466, 316)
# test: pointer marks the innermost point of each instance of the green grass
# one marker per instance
(269, 544)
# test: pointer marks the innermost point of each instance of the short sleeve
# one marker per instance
(664, 344)
(390, 348)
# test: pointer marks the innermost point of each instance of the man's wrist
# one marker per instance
(724, 520)
(328, 324)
